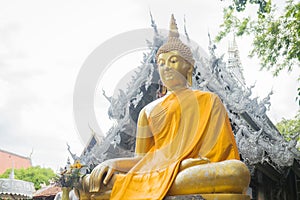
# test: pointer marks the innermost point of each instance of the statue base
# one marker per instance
(209, 197)
(220, 196)
(226, 196)
(184, 197)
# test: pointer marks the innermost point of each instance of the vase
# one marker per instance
(65, 193)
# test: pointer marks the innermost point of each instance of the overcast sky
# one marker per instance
(43, 45)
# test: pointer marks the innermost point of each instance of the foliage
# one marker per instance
(71, 175)
(240, 5)
(276, 35)
(290, 128)
(276, 38)
(69, 178)
(37, 175)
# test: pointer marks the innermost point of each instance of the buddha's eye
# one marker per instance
(173, 60)
(161, 62)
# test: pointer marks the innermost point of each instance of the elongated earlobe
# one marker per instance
(162, 90)
(189, 76)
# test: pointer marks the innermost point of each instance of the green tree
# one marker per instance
(290, 128)
(276, 33)
(37, 175)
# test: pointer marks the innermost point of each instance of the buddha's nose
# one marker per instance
(167, 68)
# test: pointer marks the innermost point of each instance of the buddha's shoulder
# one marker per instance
(149, 107)
(206, 94)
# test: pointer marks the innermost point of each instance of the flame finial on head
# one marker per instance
(175, 44)
(173, 28)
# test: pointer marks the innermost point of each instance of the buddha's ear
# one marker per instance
(190, 68)
(189, 74)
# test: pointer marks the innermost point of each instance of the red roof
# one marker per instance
(51, 190)
(7, 159)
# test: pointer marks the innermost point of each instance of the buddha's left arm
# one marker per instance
(190, 162)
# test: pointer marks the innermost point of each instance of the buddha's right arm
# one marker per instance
(144, 137)
(104, 171)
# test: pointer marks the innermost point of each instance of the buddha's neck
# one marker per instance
(177, 88)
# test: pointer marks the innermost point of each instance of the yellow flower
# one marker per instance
(76, 165)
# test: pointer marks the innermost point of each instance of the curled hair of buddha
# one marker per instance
(175, 44)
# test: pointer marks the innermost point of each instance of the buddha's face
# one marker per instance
(173, 70)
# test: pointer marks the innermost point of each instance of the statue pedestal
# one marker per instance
(225, 196)
(185, 197)
(209, 197)
(215, 196)
(219, 196)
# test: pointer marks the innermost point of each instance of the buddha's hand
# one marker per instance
(103, 172)
(190, 162)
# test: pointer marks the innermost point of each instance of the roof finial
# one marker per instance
(173, 28)
(153, 23)
(185, 32)
(12, 173)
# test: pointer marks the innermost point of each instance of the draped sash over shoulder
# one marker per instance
(186, 124)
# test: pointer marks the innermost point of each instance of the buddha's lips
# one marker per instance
(168, 75)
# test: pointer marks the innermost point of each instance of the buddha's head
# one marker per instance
(175, 60)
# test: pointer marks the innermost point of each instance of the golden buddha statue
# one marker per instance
(184, 143)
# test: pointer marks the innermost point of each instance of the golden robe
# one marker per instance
(186, 124)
